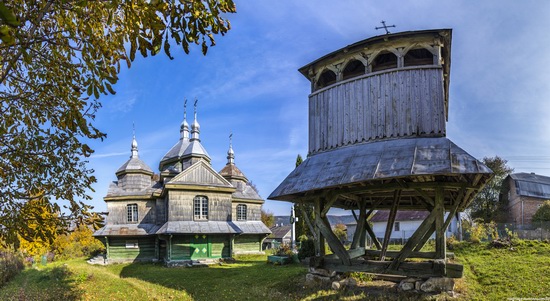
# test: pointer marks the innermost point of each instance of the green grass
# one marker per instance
(489, 274)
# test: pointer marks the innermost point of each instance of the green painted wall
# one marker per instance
(200, 246)
(131, 248)
(247, 243)
(220, 246)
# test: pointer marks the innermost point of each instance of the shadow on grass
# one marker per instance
(56, 283)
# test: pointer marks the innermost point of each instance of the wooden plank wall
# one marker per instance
(253, 211)
(397, 103)
(118, 212)
(180, 205)
(247, 244)
(119, 252)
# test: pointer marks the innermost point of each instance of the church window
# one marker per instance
(417, 57)
(132, 244)
(327, 78)
(200, 207)
(385, 60)
(241, 212)
(353, 68)
(132, 213)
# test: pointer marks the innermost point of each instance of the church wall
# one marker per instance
(180, 205)
(186, 247)
(128, 249)
(118, 212)
(253, 211)
(247, 244)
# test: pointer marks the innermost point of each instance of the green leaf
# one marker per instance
(7, 16)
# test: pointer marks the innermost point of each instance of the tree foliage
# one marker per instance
(300, 209)
(78, 243)
(486, 204)
(267, 218)
(340, 231)
(543, 213)
(57, 59)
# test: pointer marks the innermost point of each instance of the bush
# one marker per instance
(284, 250)
(79, 243)
(307, 248)
(10, 265)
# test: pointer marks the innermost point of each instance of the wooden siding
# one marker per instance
(391, 104)
(220, 246)
(253, 211)
(180, 205)
(181, 248)
(118, 251)
(184, 247)
(118, 213)
(134, 181)
(247, 244)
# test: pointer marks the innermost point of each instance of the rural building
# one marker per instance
(279, 235)
(526, 192)
(188, 211)
(378, 110)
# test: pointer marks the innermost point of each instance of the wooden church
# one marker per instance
(187, 212)
(377, 140)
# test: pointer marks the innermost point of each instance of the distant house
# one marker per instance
(406, 222)
(279, 235)
(526, 192)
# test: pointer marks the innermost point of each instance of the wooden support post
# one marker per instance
(320, 241)
(360, 229)
(335, 244)
(389, 226)
(440, 241)
(428, 234)
(328, 204)
(373, 236)
(308, 221)
(413, 241)
(107, 247)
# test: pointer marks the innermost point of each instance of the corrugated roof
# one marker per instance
(401, 216)
(378, 160)
(532, 185)
(202, 227)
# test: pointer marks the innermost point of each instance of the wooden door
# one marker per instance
(199, 246)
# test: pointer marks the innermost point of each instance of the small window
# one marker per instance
(327, 78)
(241, 212)
(200, 208)
(385, 60)
(132, 213)
(396, 226)
(354, 68)
(132, 244)
(418, 57)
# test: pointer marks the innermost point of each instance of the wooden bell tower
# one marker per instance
(377, 141)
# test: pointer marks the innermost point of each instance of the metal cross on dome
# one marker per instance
(384, 26)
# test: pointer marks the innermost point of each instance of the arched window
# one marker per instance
(327, 78)
(200, 207)
(383, 61)
(241, 212)
(353, 68)
(418, 57)
(132, 213)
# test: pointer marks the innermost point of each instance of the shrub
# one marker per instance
(307, 248)
(10, 265)
(284, 250)
(79, 243)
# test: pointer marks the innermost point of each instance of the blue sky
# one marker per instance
(248, 84)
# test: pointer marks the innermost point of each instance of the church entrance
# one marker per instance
(199, 246)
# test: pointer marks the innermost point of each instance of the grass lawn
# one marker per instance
(490, 274)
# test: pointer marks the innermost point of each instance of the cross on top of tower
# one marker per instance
(384, 26)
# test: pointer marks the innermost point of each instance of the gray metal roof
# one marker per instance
(134, 164)
(176, 151)
(202, 227)
(401, 216)
(532, 185)
(252, 227)
(127, 230)
(195, 148)
(398, 158)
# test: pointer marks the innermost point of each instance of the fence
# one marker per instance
(490, 231)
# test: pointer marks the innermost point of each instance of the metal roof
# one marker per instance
(280, 232)
(399, 158)
(532, 185)
(401, 216)
(202, 227)
(127, 230)
(135, 164)
(252, 227)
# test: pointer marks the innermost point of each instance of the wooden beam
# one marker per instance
(334, 243)
(413, 240)
(328, 204)
(425, 269)
(428, 234)
(373, 236)
(360, 228)
(424, 255)
(440, 241)
(320, 241)
(425, 198)
(389, 226)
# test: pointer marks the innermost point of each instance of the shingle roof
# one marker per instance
(532, 185)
